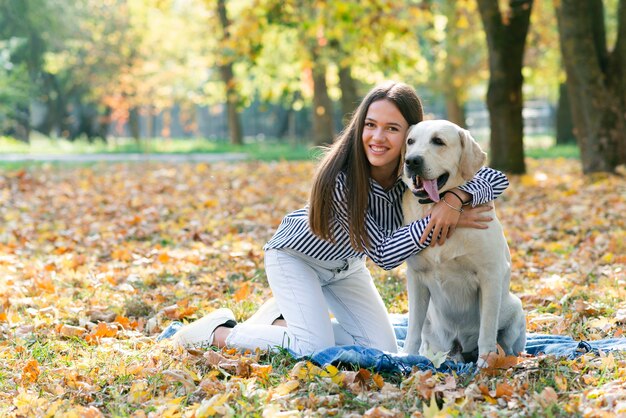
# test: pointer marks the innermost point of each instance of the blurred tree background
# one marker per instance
(244, 70)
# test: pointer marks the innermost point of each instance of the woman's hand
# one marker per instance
(475, 217)
(445, 217)
(443, 222)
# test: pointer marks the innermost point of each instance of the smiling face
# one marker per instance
(383, 137)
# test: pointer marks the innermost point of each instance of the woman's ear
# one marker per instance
(472, 156)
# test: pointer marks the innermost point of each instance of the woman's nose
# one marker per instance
(379, 133)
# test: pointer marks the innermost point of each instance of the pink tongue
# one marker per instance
(431, 188)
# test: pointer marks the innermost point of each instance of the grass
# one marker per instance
(50, 218)
(555, 151)
(536, 146)
(263, 150)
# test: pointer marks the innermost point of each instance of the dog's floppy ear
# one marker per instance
(472, 157)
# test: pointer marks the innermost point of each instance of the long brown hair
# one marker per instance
(347, 154)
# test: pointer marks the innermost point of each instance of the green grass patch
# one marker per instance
(265, 150)
(536, 146)
(556, 151)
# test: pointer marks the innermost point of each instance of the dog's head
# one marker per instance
(439, 156)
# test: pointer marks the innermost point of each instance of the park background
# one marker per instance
(96, 259)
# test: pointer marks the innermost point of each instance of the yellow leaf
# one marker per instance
(378, 380)
(138, 392)
(286, 387)
(334, 374)
(431, 410)
(210, 407)
(261, 371)
(305, 370)
(608, 258)
(608, 361)
(528, 181)
(561, 383)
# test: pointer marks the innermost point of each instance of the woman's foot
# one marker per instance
(204, 332)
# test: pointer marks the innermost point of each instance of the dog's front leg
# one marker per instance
(490, 302)
(419, 298)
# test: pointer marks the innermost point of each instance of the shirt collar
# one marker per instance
(399, 184)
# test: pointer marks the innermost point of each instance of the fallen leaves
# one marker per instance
(102, 330)
(30, 372)
(495, 362)
(95, 262)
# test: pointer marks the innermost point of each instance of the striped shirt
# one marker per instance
(391, 242)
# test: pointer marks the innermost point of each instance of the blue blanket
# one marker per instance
(371, 358)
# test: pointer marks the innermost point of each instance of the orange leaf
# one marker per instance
(125, 322)
(499, 361)
(45, 284)
(504, 390)
(242, 293)
(30, 372)
(163, 258)
(101, 330)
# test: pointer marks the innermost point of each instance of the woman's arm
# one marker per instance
(487, 185)
(387, 250)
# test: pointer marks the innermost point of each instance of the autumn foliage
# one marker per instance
(95, 262)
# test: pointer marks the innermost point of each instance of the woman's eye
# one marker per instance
(393, 129)
(437, 141)
(369, 124)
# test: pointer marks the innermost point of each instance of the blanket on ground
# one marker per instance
(371, 358)
(380, 361)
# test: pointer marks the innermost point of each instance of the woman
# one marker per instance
(315, 263)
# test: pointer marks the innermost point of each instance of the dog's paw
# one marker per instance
(482, 363)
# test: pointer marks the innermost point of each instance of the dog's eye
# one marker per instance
(437, 141)
(410, 141)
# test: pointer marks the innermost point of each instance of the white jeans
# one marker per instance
(306, 290)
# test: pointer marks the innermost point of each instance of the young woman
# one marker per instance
(315, 263)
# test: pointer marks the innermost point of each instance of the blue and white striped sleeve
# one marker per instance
(386, 251)
(391, 251)
(487, 185)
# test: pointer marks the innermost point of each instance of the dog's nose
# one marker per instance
(414, 164)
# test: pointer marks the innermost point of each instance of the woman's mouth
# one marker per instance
(378, 149)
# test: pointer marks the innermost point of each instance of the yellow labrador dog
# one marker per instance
(459, 299)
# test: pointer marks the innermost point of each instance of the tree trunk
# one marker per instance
(20, 126)
(455, 112)
(596, 82)
(228, 78)
(505, 42)
(323, 125)
(564, 122)
(349, 93)
(133, 124)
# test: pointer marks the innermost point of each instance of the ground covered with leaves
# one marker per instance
(95, 262)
